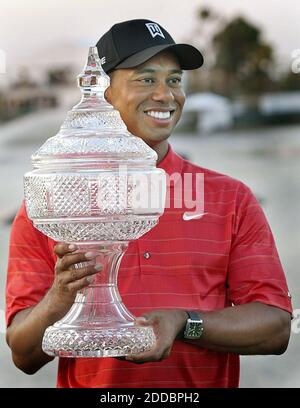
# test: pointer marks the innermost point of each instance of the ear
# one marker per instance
(107, 95)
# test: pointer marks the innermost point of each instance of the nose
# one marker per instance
(162, 93)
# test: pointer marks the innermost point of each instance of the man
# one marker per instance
(212, 286)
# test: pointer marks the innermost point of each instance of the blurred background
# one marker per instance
(242, 118)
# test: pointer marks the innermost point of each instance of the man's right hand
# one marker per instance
(69, 277)
(25, 333)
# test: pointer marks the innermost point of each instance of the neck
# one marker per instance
(161, 150)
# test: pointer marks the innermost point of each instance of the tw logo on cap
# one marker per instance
(154, 30)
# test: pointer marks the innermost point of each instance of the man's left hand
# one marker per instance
(167, 324)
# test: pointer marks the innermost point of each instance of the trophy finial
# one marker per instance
(93, 79)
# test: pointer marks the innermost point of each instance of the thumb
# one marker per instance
(142, 321)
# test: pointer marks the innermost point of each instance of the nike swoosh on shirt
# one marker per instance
(192, 216)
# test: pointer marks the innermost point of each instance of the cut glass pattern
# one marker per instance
(83, 190)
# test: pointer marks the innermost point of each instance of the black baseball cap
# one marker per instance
(131, 43)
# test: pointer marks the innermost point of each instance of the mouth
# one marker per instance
(160, 115)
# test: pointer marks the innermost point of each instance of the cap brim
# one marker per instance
(188, 56)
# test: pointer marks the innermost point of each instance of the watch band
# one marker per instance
(193, 315)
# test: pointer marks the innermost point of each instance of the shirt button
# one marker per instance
(147, 255)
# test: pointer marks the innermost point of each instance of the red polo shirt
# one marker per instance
(226, 257)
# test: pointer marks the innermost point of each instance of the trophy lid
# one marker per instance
(93, 130)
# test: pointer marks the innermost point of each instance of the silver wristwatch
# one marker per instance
(194, 326)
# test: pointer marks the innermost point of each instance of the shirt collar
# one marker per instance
(171, 163)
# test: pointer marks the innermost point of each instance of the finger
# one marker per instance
(153, 354)
(145, 357)
(146, 320)
(70, 260)
(77, 274)
(62, 249)
(80, 284)
(141, 321)
(159, 353)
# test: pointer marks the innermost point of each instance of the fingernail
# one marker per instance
(98, 267)
(72, 247)
(90, 255)
(90, 279)
(140, 320)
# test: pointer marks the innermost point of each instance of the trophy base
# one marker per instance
(106, 342)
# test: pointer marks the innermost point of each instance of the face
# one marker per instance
(149, 97)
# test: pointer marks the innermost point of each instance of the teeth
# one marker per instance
(159, 115)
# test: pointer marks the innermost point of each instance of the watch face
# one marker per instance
(195, 329)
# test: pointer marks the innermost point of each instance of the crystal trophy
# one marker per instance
(97, 186)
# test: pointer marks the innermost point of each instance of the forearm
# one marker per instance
(25, 334)
(253, 328)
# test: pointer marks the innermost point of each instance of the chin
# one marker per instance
(151, 140)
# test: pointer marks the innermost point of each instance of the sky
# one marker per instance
(34, 30)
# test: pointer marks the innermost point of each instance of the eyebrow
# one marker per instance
(152, 70)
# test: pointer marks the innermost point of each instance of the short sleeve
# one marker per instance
(30, 266)
(255, 273)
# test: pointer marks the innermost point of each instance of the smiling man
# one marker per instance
(146, 66)
(150, 98)
(212, 285)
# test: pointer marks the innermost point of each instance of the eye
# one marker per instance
(175, 81)
(147, 81)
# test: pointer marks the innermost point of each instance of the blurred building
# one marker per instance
(207, 112)
(280, 107)
(23, 100)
